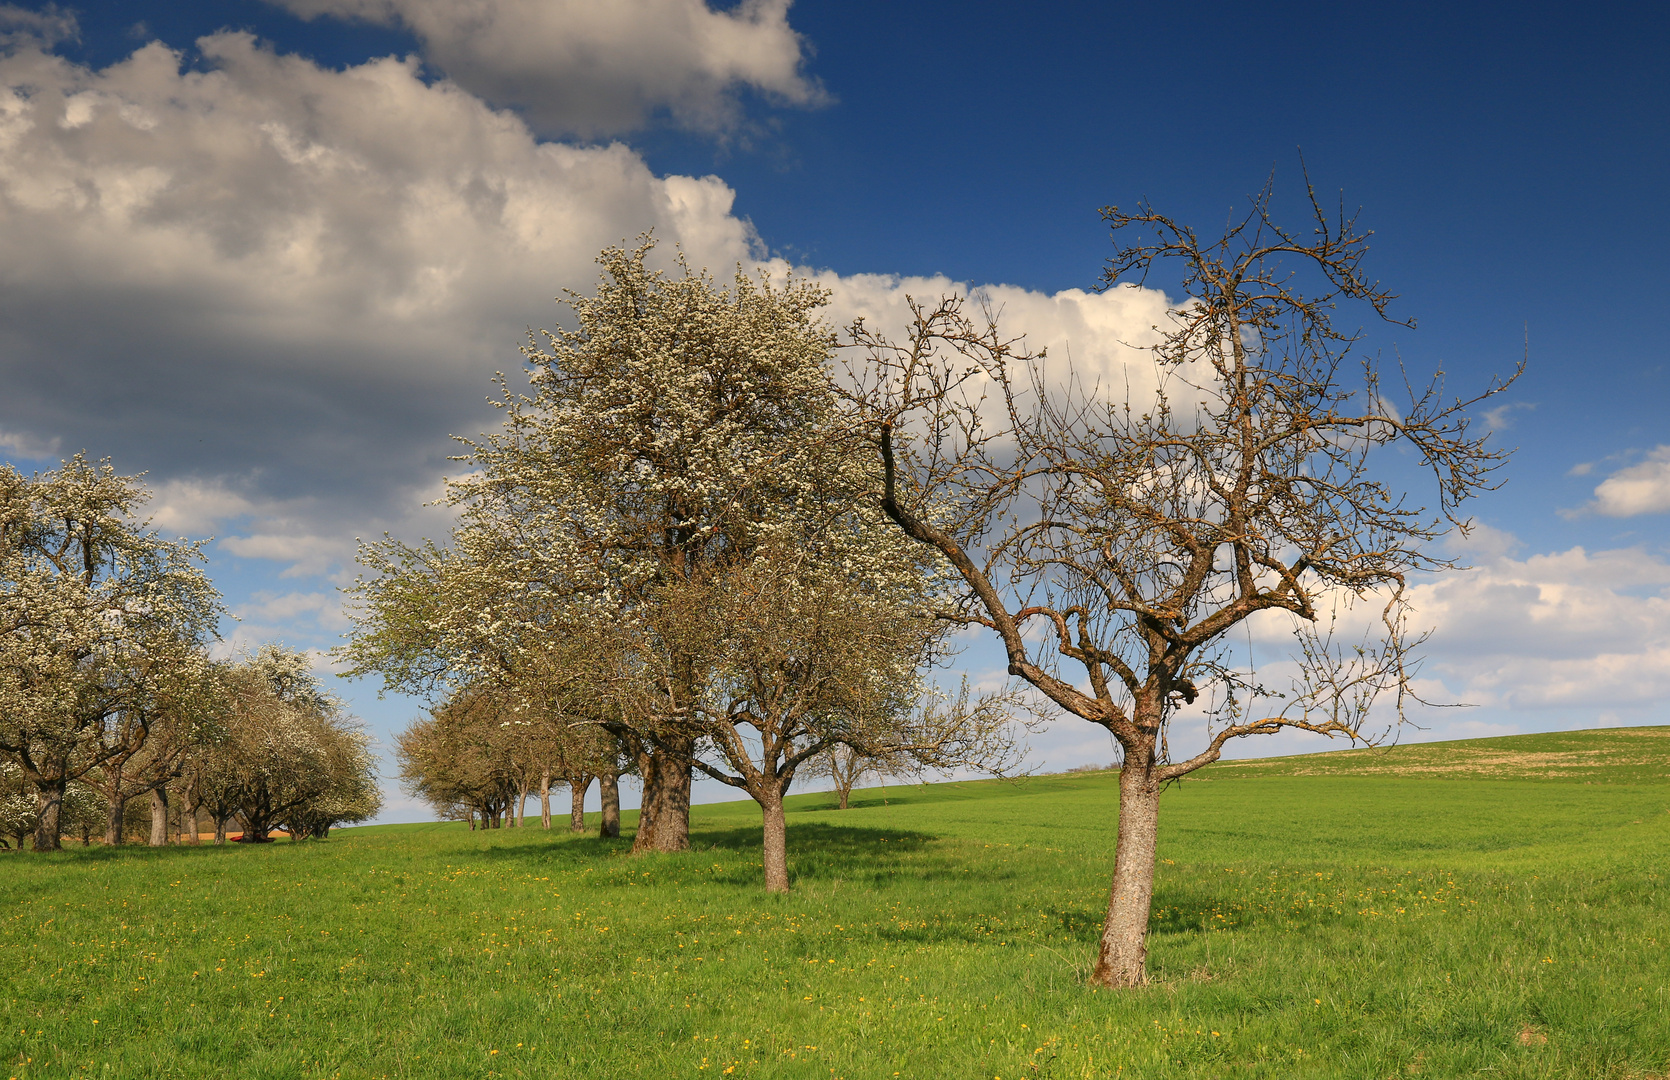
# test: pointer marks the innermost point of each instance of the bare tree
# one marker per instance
(844, 767)
(1240, 475)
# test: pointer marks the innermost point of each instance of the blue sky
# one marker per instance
(250, 257)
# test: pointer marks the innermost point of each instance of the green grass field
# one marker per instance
(1467, 909)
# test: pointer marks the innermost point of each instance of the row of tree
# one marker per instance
(734, 541)
(108, 694)
(673, 545)
(479, 756)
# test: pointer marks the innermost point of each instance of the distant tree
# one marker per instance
(844, 767)
(101, 622)
(1126, 531)
(291, 752)
(941, 732)
(455, 760)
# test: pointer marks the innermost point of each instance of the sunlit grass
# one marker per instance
(1305, 926)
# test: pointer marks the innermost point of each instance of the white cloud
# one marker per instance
(298, 277)
(313, 274)
(43, 28)
(1500, 418)
(306, 555)
(189, 506)
(320, 610)
(28, 446)
(584, 68)
(1639, 489)
(1481, 541)
(1571, 629)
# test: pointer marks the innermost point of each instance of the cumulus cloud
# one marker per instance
(1572, 629)
(295, 276)
(30, 447)
(1640, 489)
(20, 27)
(279, 287)
(578, 67)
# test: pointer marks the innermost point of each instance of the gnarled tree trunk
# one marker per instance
(1124, 951)
(545, 798)
(188, 817)
(666, 798)
(49, 798)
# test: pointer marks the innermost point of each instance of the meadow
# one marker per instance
(1464, 909)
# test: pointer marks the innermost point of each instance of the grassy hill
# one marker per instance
(1608, 755)
(1489, 907)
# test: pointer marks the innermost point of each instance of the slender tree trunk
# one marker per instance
(471, 815)
(608, 786)
(844, 791)
(188, 817)
(577, 787)
(644, 838)
(545, 798)
(49, 799)
(776, 842)
(521, 805)
(1124, 953)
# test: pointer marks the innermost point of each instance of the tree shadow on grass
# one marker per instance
(814, 802)
(817, 851)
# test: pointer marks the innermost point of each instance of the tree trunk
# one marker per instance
(472, 820)
(608, 787)
(113, 821)
(49, 798)
(644, 838)
(521, 805)
(577, 787)
(667, 798)
(776, 843)
(220, 829)
(188, 817)
(1124, 953)
(545, 798)
(843, 791)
